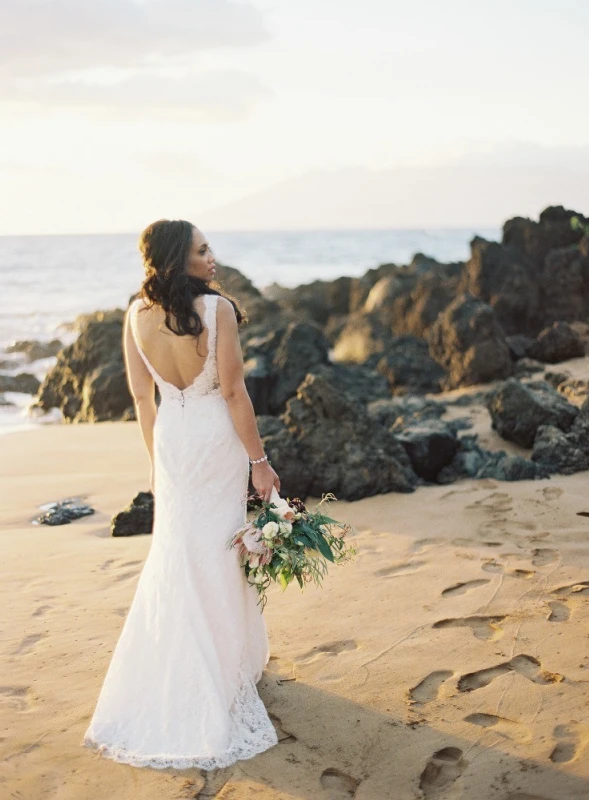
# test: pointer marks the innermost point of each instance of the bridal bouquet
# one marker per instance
(286, 540)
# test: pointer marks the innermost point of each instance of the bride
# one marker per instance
(180, 690)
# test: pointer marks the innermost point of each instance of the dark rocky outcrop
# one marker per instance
(404, 411)
(520, 345)
(536, 239)
(301, 348)
(564, 284)
(342, 449)
(363, 336)
(517, 411)
(360, 384)
(260, 309)
(558, 343)
(259, 381)
(473, 461)
(136, 518)
(416, 310)
(317, 301)
(555, 378)
(88, 383)
(468, 342)
(286, 457)
(503, 276)
(564, 451)
(558, 451)
(23, 382)
(34, 349)
(526, 367)
(437, 452)
(63, 512)
(408, 366)
(360, 287)
(575, 390)
(430, 447)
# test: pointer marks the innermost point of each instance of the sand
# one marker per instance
(449, 660)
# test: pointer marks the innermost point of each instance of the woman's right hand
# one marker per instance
(264, 478)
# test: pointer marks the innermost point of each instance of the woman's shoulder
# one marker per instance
(225, 313)
(137, 304)
(223, 302)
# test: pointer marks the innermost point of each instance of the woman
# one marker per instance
(180, 690)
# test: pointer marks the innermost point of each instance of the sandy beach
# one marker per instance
(450, 659)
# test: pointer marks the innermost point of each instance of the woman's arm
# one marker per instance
(233, 389)
(142, 387)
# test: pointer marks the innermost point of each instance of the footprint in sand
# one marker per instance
(573, 588)
(552, 493)
(28, 643)
(215, 781)
(496, 502)
(543, 556)
(507, 728)
(526, 574)
(571, 741)
(462, 542)
(18, 697)
(405, 568)
(526, 666)
(38, 612)
(485, 628)
(419, 545)
(526, 796)
(283, 735)
(338, 784)
(124, 576)
(331, 649)
(462, 588)
(495, 566)
(442, 770)
(429, 688)
(559, 612)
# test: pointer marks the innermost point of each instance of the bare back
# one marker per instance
(179, 360)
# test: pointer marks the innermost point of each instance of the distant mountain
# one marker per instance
(458, 195)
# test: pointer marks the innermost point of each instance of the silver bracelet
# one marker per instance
(258, 460)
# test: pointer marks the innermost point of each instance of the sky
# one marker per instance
(268, 114)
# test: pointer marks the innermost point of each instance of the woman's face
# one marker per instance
(201, 261)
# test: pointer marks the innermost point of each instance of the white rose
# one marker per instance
(283, 510)
(270, 530)
(285, 528)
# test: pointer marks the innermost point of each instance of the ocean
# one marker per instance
(48, 280)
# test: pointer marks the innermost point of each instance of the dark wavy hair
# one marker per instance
(164, 246)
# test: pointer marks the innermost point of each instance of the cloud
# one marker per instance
(222, 95)
(128, 54)
(40, 37)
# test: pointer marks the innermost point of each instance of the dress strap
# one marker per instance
(212, 326)
(133, 311)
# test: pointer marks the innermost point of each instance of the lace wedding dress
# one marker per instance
(180, 690)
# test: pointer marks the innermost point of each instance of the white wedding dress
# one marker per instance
(180, 690)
